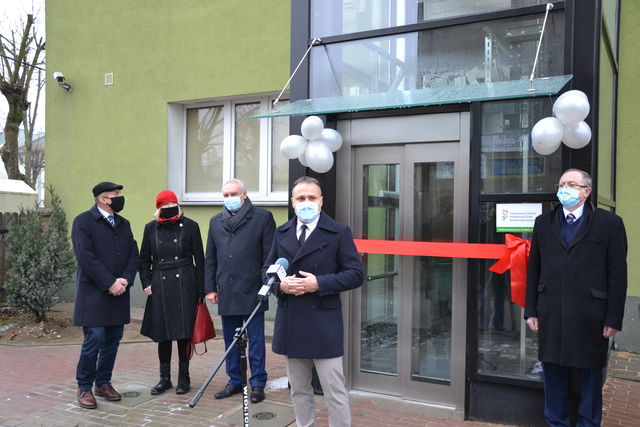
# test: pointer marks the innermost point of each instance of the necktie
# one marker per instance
(111, 220)
(303, 235)
(570, 218)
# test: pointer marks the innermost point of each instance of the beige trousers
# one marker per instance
(332, 381)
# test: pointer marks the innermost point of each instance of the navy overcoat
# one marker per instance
(310, 325)
(234, 260)
(578, 289)
(103, 253)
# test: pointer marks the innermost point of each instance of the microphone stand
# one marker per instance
(240, 340)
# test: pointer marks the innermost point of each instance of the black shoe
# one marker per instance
(257, 394)
(184, 381)
(165, 379)
(228, 391)
(164, 385)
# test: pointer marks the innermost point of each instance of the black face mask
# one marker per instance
(117, 203)
(166, 213)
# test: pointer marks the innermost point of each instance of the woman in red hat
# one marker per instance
(172, 275)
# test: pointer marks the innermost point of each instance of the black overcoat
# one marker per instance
(234, 261)
(577, 290)
(172, 263)
(310, 325)
(103, 253)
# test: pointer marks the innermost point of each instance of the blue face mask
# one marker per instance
(568, 196)
(232, 203)
(307, 211)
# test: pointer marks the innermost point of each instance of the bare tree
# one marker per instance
(33, 154)
(21, 53)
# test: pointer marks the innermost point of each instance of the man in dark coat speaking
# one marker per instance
(576, 290)
(107, 258)
(238, 243)
(323, 262)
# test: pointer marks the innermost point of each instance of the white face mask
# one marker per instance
(307, 211)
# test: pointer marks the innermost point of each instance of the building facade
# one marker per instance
(431, 98)
(160, 97)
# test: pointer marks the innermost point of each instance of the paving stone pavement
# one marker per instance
(37, 388)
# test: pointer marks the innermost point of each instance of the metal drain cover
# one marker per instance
(131, 394)
(264, 416)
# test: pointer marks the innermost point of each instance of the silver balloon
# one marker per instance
(546, 135)
(571, 107)
(319, 157)
(303, 160)
(576, 136)
(293, 146)
(311, 127)
(331, 138)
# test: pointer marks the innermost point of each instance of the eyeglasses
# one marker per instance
(571, 184)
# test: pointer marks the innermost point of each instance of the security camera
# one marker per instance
(61, 81)
(58, 76)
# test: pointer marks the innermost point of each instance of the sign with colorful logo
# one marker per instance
(516, 217)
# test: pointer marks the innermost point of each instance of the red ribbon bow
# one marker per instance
(515, 259)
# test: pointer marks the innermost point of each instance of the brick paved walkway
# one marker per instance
(37, 388)
(622, 391)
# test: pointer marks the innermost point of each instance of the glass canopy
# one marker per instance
(545, 86)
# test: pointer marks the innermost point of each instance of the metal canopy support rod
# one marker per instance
(316, 41)
(535, 61)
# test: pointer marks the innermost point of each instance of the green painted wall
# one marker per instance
(159, 51)
(628, 155)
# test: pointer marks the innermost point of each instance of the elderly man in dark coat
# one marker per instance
(576, 290)
(107, 258)
(323, 262)
(238, 243)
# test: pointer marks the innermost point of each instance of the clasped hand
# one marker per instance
(119, 287)
(294, 285)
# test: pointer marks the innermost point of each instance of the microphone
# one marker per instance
(276, 273)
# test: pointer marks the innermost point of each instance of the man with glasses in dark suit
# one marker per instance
(576, 291)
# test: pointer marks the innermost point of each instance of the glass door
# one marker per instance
(409, 316)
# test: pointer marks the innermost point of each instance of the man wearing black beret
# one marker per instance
(107, 258)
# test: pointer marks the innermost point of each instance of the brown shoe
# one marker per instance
(107, 392)
(86, 399)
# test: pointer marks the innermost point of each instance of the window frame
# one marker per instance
(177, 153)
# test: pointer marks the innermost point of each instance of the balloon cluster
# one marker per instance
(568, 126)
(315, 148)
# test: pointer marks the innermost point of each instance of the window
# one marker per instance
(508, 164)
(334, 17)
(460, 55)
(220, 141)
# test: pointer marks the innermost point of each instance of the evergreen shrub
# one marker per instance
(40, 258)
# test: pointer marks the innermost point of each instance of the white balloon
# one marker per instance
(331, 138)
(576, 136)
(546, 135)
(311, 127)
(303, 160)
(293, 146)
(571, 107)
(319, 157)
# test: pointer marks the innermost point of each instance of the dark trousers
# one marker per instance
(164, 351)
(256, 352)
(556, 390)
(98, 355)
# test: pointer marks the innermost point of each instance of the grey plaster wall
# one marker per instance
(629, 338)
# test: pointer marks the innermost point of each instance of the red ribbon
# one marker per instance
(437, 249)
(516, 260)
(511, 255)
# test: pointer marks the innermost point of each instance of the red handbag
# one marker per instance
(202, 329)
